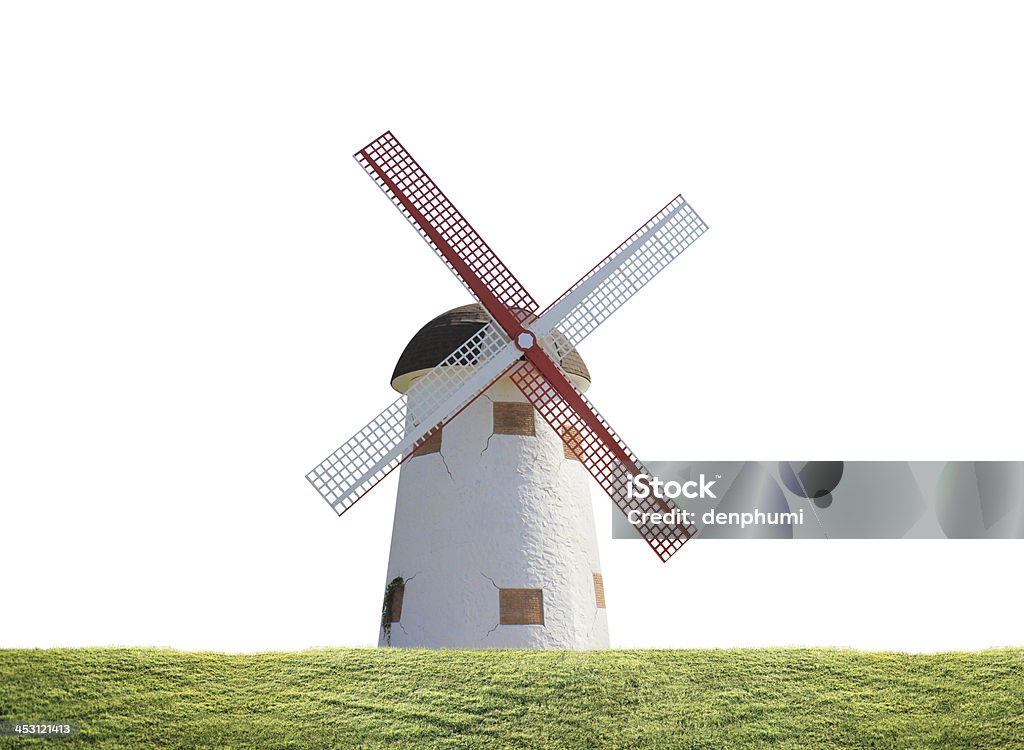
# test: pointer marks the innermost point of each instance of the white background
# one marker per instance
(202, 294)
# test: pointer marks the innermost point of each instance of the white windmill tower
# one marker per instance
(493, 522)
(494, 540)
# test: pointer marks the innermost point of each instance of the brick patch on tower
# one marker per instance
(599, 590)
(513, 418)
(431, 445)
(521, 606)
(571, 442)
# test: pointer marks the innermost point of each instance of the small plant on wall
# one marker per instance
(392, 609)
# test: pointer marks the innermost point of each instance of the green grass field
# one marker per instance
(784, 698)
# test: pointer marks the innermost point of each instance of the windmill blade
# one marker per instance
(601, 452)
(394, 434)
(441, 225)
(591, 300)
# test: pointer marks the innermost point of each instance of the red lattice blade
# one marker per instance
(441, 225)
(603, 454)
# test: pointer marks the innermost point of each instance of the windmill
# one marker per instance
(516, 354)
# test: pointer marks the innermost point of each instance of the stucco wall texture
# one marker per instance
(491, 511)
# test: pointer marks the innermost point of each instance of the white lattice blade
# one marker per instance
(482, 358)
(369, 455)
(362, 460)
(618, 277)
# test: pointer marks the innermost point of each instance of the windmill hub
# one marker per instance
(525, 340)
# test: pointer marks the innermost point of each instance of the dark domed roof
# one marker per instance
(445, 333)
